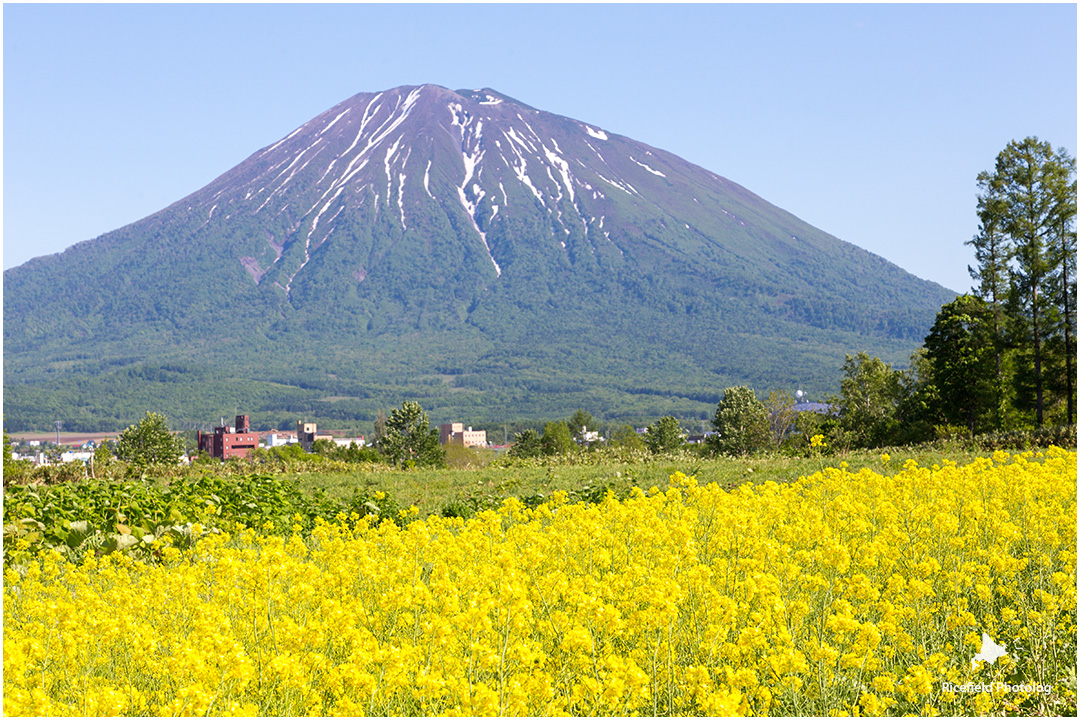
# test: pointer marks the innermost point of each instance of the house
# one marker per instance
(456, 434)
(346, 442)
(590, 436)
(275, 438)
(308, 432)
(67, 456)
(229, 442)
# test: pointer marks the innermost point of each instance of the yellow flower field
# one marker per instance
(842, 593)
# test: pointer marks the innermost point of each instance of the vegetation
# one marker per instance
(664, 436)
(1026, 275)
(409, 440)
(741, 422)
(624, 320)
(556, 439)
(844, 592)
(581, 422)
(625, 436)
(150, 442)
(101, 516)
(808, 563)
(527, 444)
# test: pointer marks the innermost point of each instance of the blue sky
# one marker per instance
(870, 122)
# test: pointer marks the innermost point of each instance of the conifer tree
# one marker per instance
(1027, 213)
(409, 439)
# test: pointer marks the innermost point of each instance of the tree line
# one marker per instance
(1000, 358)
(1004, 355)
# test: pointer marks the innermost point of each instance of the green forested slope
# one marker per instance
(488, 259)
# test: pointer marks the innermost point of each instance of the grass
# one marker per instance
(432, 490)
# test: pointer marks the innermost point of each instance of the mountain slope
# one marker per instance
(497, 259)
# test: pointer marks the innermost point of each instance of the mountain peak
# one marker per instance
(484, 231)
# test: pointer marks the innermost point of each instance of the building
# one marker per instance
(229, 442)
(590, 436)
(454, 433)
(815, 407)
(275, 438)
(308, 432)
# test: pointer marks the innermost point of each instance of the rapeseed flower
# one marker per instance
(842, 593)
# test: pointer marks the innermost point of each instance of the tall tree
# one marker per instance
(409, 439)
(960, 350)
(581, 422)
(919, 410)
(625, 436)
(527, 444)
(741, 422)
(664, 436)
(870, 393)
(780, 408)
(1031, 198)
(1063, 282)
(150, 442)
(992, 252)
(556, 439)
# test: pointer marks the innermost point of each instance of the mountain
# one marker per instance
(489, 259)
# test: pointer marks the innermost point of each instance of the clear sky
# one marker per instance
(870, 122)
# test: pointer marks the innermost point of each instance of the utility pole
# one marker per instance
(59, 424)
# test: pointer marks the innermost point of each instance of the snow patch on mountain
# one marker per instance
(598, 134)
(427, 177)
(523, 176)
(654, 172)
(596, 151)
(627, 188)
(284, 139)
(564, 169)
(335, 120)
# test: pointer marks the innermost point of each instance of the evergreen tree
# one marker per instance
(1030, 197)
(960, 350)
(409, 439)
(992, 252)
(1062, 252)
(526, 444)
(580, 423)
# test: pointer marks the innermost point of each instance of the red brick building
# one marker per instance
(229, 442)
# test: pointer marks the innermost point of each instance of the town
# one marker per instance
(236, 441)
(226, 442)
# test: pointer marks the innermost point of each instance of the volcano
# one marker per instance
(461, 248)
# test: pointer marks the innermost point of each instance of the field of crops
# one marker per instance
(845, 592)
